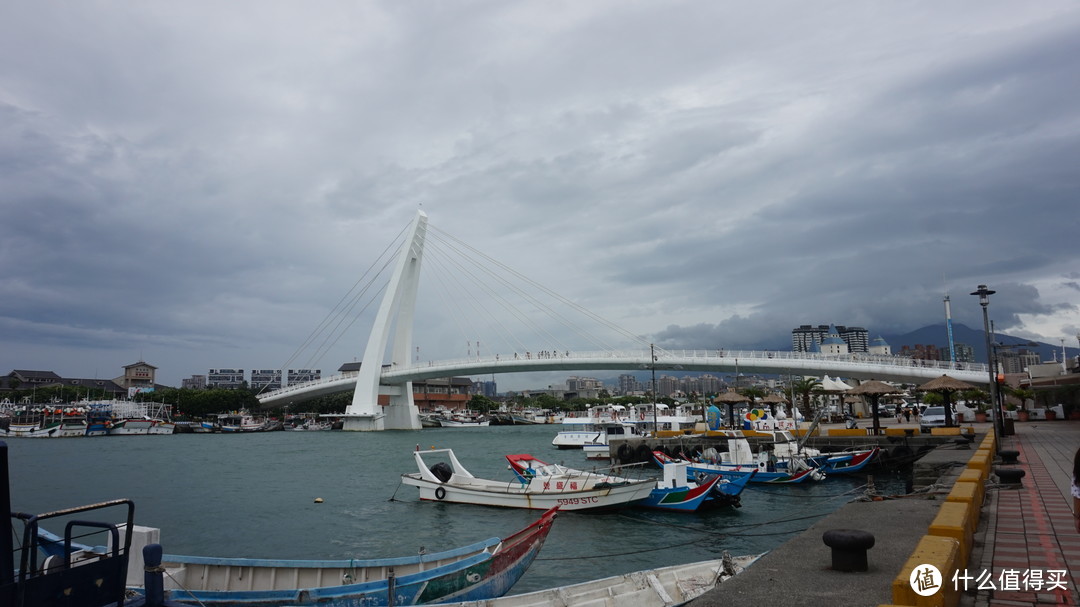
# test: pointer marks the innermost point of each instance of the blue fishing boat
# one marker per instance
(476, 572)
(681, 491)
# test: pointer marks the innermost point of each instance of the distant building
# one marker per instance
(485, 388)
(229, 379)
(964, 353)
(265, 379)
(923, 352)
(195, 382)
(429, 395)
(581, 384)
(299, 376)
(628, 384)
(21, 379)
(1018, 361)
(879, 347)
(667, 385)
(137, 377)
(832, 344)
(805, 336)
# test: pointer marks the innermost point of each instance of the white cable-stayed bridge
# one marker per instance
(393, 328)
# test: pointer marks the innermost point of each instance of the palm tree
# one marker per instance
(1023, 394)
(753, 393)
(804, 387)
(976, 399)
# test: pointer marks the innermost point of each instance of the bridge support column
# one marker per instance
(365, 413)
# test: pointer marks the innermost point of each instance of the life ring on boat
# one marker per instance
(641, 416)
(440, 493)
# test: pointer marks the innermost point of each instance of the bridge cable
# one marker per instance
(546, 290)
(341, 309)
(458, 245)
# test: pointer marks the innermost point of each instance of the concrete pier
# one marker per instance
(981, 524)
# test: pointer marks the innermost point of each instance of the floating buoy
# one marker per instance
(318, 500)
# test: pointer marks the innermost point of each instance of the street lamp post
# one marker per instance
(652, 364)
(995, 407)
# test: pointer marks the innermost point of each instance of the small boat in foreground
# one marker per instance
(661, 587)
(447, 480)
(480, 571)
(477, 572)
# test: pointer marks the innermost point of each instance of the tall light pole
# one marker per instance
(652, 363)
(995, 409)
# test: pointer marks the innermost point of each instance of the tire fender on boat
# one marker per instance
(440, 493)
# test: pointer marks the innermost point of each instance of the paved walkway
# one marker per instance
(1029, 531)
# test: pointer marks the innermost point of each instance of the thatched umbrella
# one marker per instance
(730, 398)
(874, 389)
(945, 386)
(773, 399)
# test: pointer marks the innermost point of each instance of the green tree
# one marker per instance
(753, 393)
(482, 404)
(804, 387)
(976, 399)
(1024, 395)
(933, 398)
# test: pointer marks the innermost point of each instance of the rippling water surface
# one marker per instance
(252, 495)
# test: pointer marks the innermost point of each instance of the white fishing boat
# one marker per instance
(661, 587)
(447, 480)
(664, 418)
(594, 426)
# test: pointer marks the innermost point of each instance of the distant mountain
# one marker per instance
(937, 335)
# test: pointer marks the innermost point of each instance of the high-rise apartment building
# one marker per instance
(803, 338)
(229, 379)
(299, 376)
(265, 379)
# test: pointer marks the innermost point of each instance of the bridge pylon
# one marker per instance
(396, 311)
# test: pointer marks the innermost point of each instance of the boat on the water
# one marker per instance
(677, 490)
(740, 460)
(785, 445)
(447, 480)
(661, 587)
(480, 571)
(596, 427)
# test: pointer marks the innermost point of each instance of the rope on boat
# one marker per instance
(393, 498)
(184, 589)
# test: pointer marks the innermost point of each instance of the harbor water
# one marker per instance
(253, 495)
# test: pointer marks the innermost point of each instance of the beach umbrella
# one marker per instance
(730, 398)
(835, 386)
(945, 386)
(875, 390)
(773, 399)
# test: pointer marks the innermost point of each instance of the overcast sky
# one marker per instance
(197, 184)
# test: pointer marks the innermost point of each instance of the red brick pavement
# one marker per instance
(1031, 547)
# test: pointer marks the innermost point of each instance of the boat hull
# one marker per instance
(481, 571)
(675, 585)
(532, 495)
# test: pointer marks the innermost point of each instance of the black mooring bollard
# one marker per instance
(849, 548)
(1009, 476)
(152, 578)
(1008, 456)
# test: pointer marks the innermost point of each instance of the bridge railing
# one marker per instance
(665, 358)
(674, 356)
